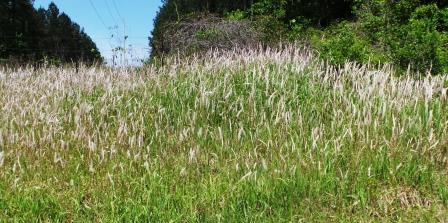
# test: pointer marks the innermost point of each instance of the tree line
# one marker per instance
(411, 34)
(319, 12)
(29, 34)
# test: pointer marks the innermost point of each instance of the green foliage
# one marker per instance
(412, 35)
(298, 28)
(343, 42)
(273, 30)
(274, 8)
(236, 15)
(208, 34)
(408, 34)
(444, 19)
(442, 53)
(445, 84)
(417, 44)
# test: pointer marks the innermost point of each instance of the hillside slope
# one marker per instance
(237, 136)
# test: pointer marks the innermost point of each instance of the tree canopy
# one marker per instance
(29, 34)
(406, 33)
(318, 12)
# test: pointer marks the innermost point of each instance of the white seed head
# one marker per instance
(2, 158)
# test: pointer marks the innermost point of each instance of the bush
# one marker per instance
(269, 15)
(442, 53)
(418, 44)
(415, 45)
(298, 28)
(237, 15)
(342, 42)
(444, 20)
(202, 32)
(411, 34)
(272, 30)
(408, 34)
(273, 8)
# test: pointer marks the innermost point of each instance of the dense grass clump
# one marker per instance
(256, 135)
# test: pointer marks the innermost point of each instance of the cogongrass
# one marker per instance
(244, 135)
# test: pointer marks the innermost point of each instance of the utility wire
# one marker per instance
(125, 37)
(118, 11)
(108, 28)
(98, 14)
(110, 11)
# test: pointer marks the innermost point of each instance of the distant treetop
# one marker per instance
(28, 34)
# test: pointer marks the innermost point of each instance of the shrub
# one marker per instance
(272, 30)
(237, 15)
(442, 53)
(298, 28)
(342, 42)
(415, 45)
(418, 44)
(273, 8)
(199, 33)
(412, 34)
(208, 34)
(444, 20)
(269, 15)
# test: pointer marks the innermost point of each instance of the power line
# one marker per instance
(98, 14)
(118, 11)
(101, 19)
(125, 37)
(110, 11)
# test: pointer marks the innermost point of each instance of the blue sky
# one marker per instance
(106, 27)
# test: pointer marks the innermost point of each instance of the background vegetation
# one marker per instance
(28, 35)
(411, 34)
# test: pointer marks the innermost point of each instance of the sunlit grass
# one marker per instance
(252, 135)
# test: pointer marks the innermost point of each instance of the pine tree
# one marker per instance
(27, 34)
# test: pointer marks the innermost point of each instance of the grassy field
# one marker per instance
(243, 136)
